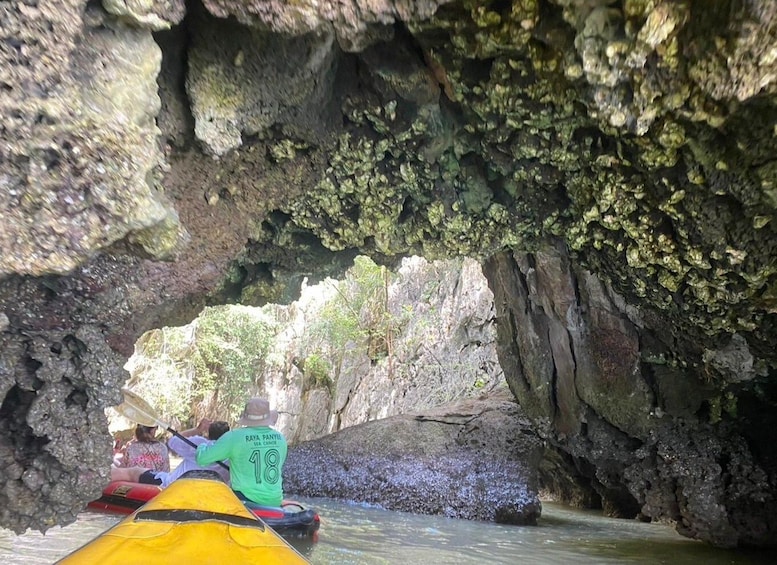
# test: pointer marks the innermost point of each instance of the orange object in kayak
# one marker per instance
(124, 497)
(193, 521)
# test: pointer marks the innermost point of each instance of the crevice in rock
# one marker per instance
(648, 375)
(175, 118)
(578, 308)
(16, 431)
(553, 382)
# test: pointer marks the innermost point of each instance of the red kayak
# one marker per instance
(291, 519)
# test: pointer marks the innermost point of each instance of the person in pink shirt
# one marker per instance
(140, 474)
(146, 451)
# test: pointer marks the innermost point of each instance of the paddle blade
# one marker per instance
(138, 410)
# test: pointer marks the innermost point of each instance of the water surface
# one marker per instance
(353, 534)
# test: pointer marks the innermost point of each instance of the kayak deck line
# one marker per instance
(182, 516)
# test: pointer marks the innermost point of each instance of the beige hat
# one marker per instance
(257, 413)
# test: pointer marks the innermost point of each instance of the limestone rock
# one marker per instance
(78, 176)
(469, 460)
(357, 24)
(150, 14)
(637, 137)
(570, 351)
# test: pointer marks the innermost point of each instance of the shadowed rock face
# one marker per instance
(585, 370)
(615, 161)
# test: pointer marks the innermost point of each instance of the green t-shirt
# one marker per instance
(256, 457)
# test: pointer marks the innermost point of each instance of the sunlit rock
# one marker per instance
(469, 460)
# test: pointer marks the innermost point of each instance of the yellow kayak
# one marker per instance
(192, 521)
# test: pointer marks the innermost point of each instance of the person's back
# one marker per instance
(256, 455)
(146, 451)
(188, 454)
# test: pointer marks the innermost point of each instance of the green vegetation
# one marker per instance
(215, 360)
(317, 369)
(358, 315)
(232, 344)
(162, 371)
(390, 325)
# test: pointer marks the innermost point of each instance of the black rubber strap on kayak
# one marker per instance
(121, 501)
(196, 516)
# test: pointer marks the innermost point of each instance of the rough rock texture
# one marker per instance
(442, 348)
(638, 134)
(240, 83)
(76, 169)
(571, 354)
(475, 460)
(78, 152)
(355, 23)
(156, 15)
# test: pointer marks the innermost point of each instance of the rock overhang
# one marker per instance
(641, 137)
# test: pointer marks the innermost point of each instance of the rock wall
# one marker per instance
(277, 140)
(442, 348)
(342, 354)
(588, 370)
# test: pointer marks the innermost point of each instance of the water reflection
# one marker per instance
(35, 548)
(359, 535)
(353, 534)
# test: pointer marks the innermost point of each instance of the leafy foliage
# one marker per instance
(162, 371)
(217, 358)
(317, 371)
(372, 320)
(232, 344)
(359, 312)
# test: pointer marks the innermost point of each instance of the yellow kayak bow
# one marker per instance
(193, 521)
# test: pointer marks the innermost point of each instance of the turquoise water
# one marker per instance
(353, 534)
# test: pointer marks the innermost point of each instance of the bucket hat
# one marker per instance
(257, 413)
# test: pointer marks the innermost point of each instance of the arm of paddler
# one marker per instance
(199, 430)
(207, 454)
(182, 448)
(195, 435)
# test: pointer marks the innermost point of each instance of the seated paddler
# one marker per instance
(256, 454)
(197, 436)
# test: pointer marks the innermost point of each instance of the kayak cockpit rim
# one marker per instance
(181, 516)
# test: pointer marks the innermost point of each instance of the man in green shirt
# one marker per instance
(256, 455)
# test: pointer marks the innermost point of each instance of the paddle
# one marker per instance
(138, 410)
